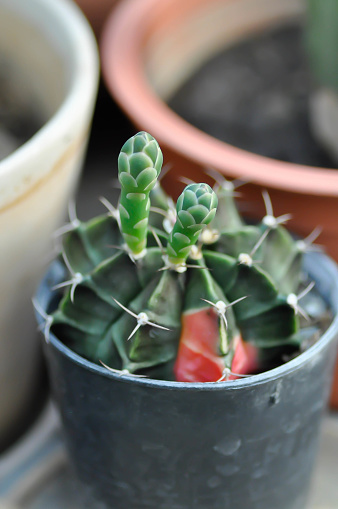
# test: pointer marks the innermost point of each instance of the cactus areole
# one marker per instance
(192, 294)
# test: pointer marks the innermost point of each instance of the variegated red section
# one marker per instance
(245, 360)
(198, 357)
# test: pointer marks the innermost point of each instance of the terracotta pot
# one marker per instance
(51, 61)
(164, 42)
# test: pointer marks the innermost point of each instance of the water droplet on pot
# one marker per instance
(214, 481)
(228, 446)
(291, 425)
(227, 469)
(258, 473)
(275, 396)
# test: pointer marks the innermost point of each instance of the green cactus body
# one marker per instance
(282, 259)
(227, 217)
(161, 301)
(199, 300)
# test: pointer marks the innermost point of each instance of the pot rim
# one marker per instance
(124, 73)
(321, 264)
(68, 22)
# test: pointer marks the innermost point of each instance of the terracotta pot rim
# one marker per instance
(124, 74)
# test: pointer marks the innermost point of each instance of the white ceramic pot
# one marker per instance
(50, 54)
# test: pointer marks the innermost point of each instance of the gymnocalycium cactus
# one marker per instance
(187, 295)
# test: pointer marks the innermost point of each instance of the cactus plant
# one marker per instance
(203, 298)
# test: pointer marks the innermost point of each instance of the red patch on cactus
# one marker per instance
(245, 360)
(198, 359)
(198, 354)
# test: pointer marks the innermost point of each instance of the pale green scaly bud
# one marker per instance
(196, 207)
(139, 166)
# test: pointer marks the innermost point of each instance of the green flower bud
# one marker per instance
(139, 165)
(196, 207)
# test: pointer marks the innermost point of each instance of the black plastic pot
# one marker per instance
(249, 443)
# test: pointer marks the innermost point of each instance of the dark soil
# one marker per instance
(255, 95)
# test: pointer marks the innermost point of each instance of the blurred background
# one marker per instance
(251, 83)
